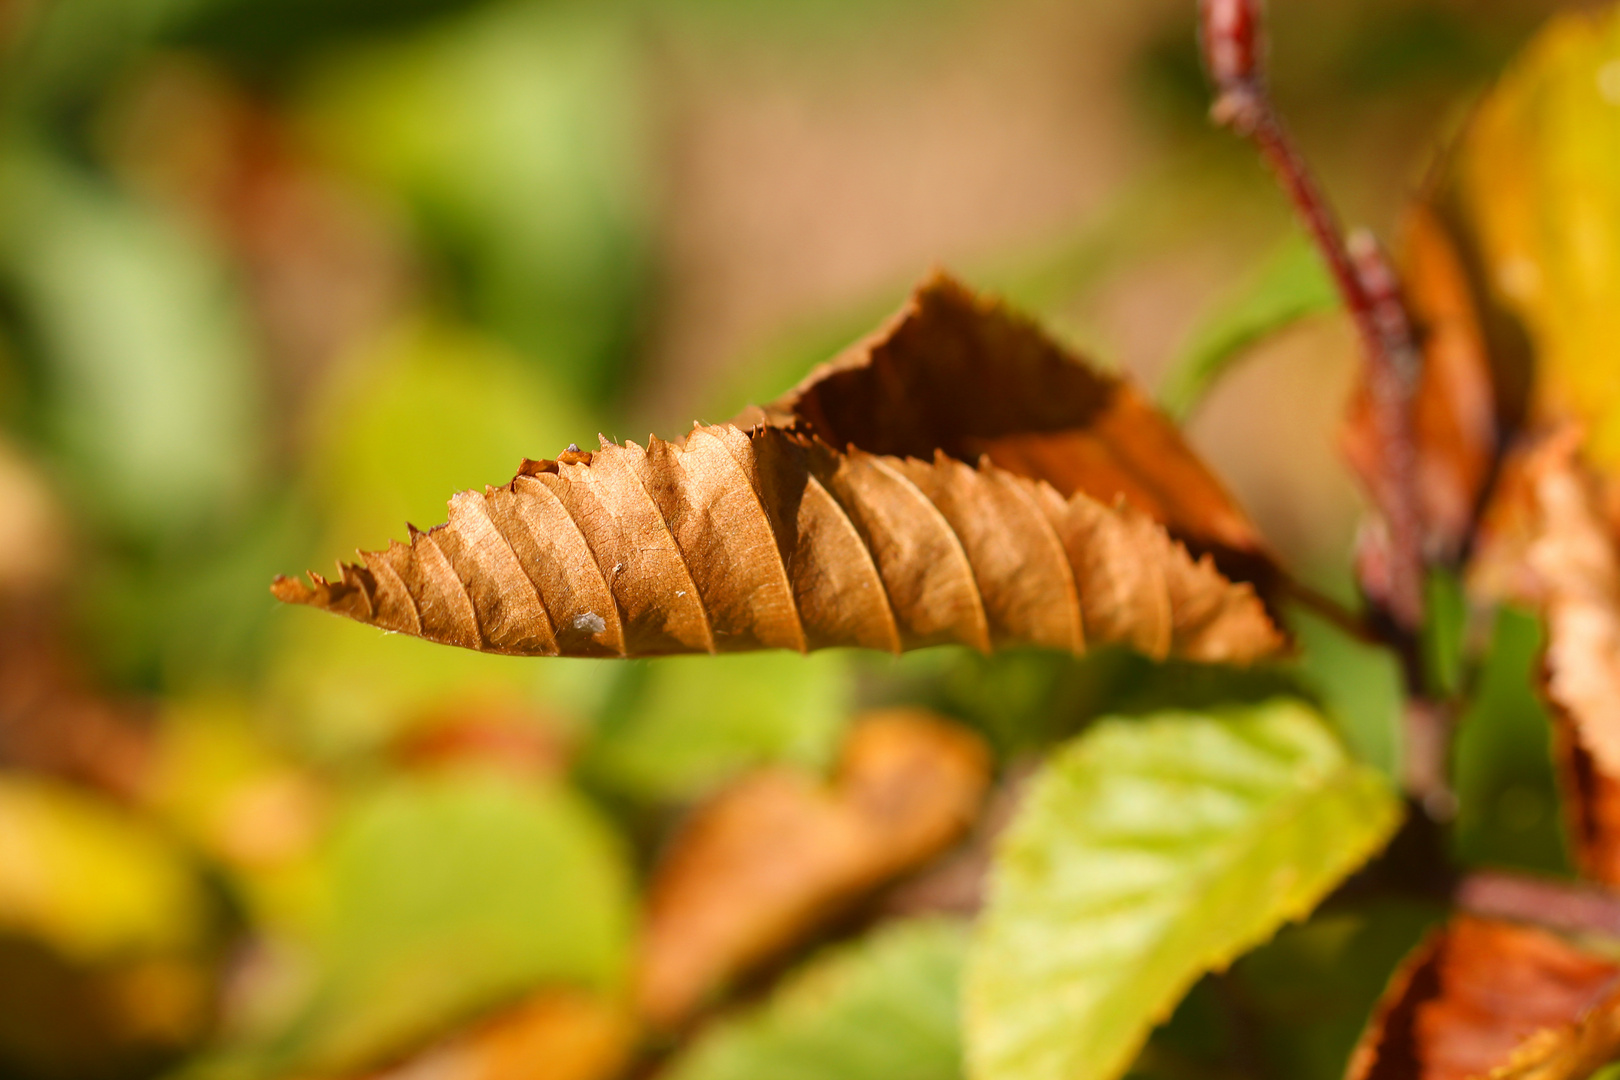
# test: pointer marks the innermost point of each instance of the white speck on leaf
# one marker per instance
(590, 622)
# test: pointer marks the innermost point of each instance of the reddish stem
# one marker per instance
(1554, 905)
(1234, 48)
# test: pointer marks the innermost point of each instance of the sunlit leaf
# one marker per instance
(1147, 853)
(1537, 179)
(884, 1008)
(763, 535)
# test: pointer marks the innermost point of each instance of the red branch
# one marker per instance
(1234, 51)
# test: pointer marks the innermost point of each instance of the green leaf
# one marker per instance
(1291, 286)
(1502, 764)
(1536, 187)
(149, 388)
(439, 897)
(683, 725)
(516, 132)
(882, 1009)
(1147, 853)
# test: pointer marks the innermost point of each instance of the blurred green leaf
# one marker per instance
(1537, 177)
(1359, 686)
(147, 373)
(442, 896)
(90, 879)
(516, 132)
(883, 1008)
(1147, 853)
(1312, 989)
(1502, 769)
(683, 725)
(1291, 286)
(431, 410)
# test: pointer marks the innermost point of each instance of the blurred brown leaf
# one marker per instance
(768, 861)
(1481, 998)
(1456, 430)
(1548, 541)
(52, 721)
(768, 537)
(553, 1034)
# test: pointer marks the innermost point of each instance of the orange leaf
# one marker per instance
(553, 1034)
(1482, 998)
(771, 859)
(768, 537)
(1455, 417)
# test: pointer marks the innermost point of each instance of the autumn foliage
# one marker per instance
(944, 716)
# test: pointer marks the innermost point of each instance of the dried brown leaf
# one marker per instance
(1488, 999)
(554, 1034)
(769, 860)
(1548, 541)
(1455, 420)
(958, 374)
(767, 537)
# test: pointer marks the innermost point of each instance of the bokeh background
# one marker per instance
(278, 276)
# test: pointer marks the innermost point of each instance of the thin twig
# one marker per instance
(1234, 46)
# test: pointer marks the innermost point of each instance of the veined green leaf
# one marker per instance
(883, 1009)
(1292, 285)
(1148, 853)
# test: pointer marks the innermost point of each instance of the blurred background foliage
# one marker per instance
(278, 276)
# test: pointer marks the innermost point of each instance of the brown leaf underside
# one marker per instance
(1482, 998)
(768, 861)
(956, 373)
(735, 539)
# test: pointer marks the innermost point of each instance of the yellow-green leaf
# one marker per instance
(89, 879)
(1537, 181)
(1149, 852)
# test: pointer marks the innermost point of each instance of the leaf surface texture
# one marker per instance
(1149, 852)
(788, 534)
(1482, 998)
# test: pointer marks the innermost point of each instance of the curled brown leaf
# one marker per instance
(769, 537)
(770, 860)
(1549, 543)
(1482, 998)
(958, 374)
